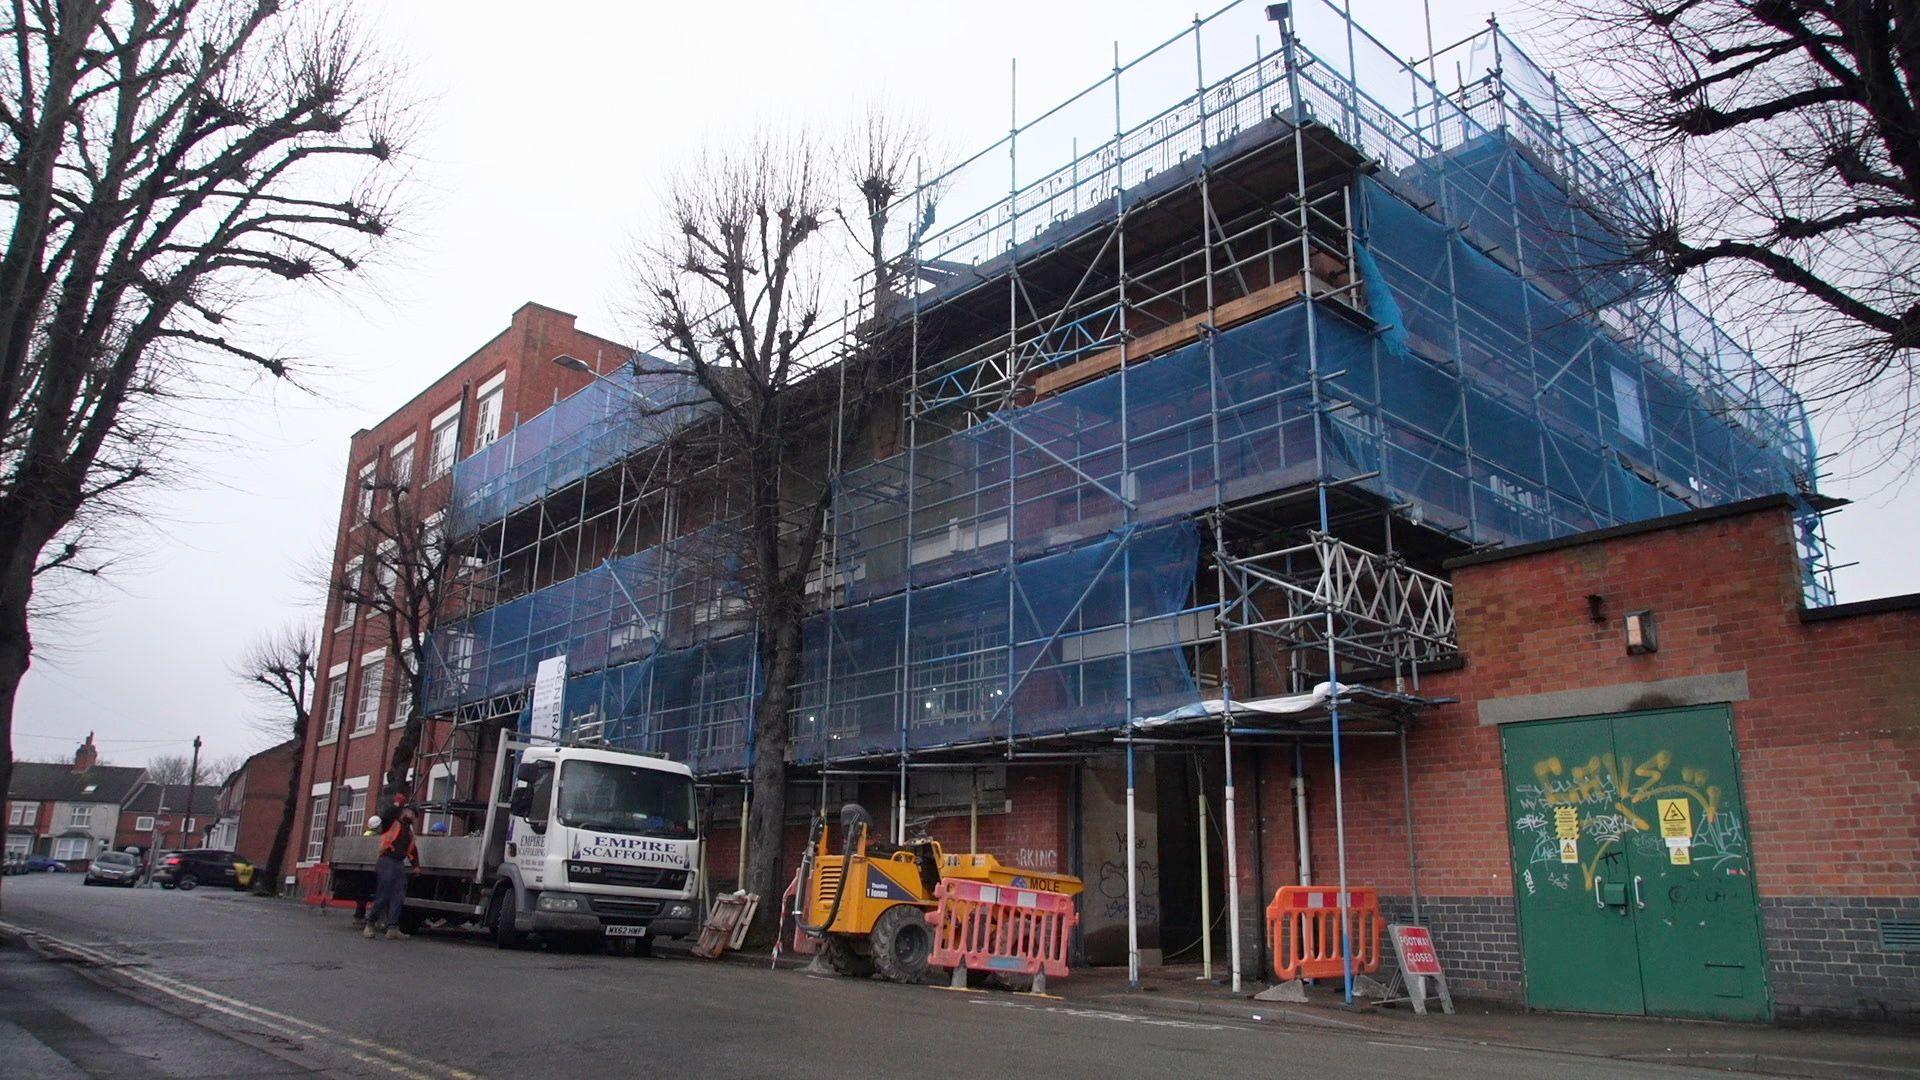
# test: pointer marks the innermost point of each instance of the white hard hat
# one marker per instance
(373, 822)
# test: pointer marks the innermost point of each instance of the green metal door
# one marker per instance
(1695, 909)
(1576, 933)
(1633, 878)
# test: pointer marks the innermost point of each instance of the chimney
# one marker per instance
(86, 755)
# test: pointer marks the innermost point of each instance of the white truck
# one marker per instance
(578, 843)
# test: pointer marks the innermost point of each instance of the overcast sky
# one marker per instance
(547, 129)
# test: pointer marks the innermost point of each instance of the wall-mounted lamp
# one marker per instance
(1641, 636)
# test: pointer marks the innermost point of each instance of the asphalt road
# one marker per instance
(300, 991)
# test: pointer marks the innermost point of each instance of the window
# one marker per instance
(402, 694)
(71, 848)
(23, 813)
(446, 443)
(350, 583)
(400, 467)
(439, 793)
(486, 415)
(353, 809)
(317, 829)
(143, 823)
(80, 817)
(363, 494)
(1629, 408)
(336, 706)
(386, 571)
(19, 846)
(370, 687)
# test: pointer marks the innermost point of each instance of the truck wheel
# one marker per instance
(901, 942)
(504, 935)
(410, 921)
(844, 961)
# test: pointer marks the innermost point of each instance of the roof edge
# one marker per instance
(1701, 516)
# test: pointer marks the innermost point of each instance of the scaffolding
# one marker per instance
(1290, 325)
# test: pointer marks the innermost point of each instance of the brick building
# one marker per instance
(180, 820)
(68, 812)
(360, 704)
(1178, 480)
(253, 798)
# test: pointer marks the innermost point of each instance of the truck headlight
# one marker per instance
(560, 902)
(680, 911)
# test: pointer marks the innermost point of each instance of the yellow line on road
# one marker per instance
(280, 1023)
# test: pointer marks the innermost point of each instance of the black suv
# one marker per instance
(199, 866)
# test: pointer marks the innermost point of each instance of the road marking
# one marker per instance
(1103, 1014)
(1412, 1046)
(291, 1027)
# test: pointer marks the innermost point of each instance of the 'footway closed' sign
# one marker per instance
(1419, 961)
(1417, 954)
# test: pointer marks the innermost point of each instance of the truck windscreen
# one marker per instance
(626, 799)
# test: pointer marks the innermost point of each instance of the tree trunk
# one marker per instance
(277, 860)
(16, 645)
(401, 764)
(767, 818)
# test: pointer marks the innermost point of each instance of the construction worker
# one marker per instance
(399, 856)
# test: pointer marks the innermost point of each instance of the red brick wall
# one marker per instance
(262, 802)
(525, 352)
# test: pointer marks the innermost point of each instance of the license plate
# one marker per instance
(626, 931)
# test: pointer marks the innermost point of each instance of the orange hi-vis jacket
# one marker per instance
(398, 840)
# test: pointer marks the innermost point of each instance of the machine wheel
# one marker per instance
(410, 921)
(188, 882)
(504, 935)
(902, 941)
(844, 961)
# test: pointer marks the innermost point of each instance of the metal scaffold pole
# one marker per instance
(1133, 883)
(1226, 726)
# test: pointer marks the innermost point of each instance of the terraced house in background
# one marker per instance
(1263, 408)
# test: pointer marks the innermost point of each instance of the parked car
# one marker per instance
(15, 864)
(113, 868)
(201, 866)
(39, 863)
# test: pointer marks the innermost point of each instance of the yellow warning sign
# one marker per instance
(1680, 855)
(1569, 851)
(1566, 822)
(1676, 818)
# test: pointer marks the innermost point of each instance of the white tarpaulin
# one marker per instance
(1289, 705)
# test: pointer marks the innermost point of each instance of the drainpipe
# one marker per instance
(1300, 813)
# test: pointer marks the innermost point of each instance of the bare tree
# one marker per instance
(1788, 132)
(279, 668)
(163, 162)
(400, 568)
(167, 769)
(215, 770)
(737, 290)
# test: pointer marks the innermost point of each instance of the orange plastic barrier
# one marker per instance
(1303, 924)
(994, 928)
(315, 886)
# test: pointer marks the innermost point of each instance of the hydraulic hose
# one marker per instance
(854, 821)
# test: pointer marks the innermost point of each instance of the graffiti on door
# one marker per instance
(1617, 799)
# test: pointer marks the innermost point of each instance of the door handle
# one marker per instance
(1597, 902)
(1639, 901)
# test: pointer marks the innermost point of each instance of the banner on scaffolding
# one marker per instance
(549, 691)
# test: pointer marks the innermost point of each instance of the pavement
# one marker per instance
(107, 983)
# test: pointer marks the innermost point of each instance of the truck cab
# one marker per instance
(597, 843)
